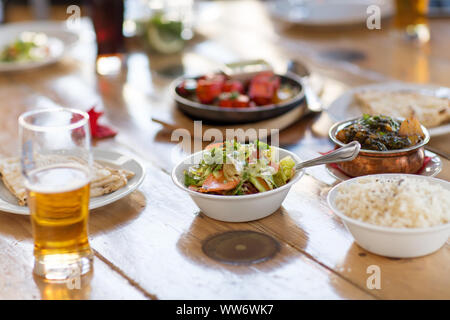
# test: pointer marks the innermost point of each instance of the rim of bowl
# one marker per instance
(333, 130)
(375, 227)
(289, 75)
(180, 185)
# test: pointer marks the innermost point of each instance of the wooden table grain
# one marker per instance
(148, 244)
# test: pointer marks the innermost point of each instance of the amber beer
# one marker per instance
(410, 13)
(58, 198)
(56, 162)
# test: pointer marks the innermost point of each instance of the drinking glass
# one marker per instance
(108, 18)
(56, 164)
(169, 25)
(411, 20)
(1, 12)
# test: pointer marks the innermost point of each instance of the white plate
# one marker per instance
(8, 202)
(431, 169)
(345, 107)
(60, 39)
(327, 12)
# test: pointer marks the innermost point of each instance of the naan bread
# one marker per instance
(104, 179)
(10, 171)
(430, 111)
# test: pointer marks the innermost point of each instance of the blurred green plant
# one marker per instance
(163, 35)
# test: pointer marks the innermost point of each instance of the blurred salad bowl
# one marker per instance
(259, 184)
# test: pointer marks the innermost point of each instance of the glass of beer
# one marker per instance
(56, 162)
(411, 19)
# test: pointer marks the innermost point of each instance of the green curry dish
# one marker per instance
(380, 133)
(381, 123)
(232, 168)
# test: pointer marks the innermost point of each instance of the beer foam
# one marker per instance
(57, 178)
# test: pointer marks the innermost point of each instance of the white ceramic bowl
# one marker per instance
(236, 208)
(394, 242)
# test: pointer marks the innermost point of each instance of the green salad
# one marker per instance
(29, 46)
(231, 168)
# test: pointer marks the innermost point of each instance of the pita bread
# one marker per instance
(429, 110)
(10, 171)
(104, 180)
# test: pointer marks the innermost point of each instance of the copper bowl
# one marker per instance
(408, 160)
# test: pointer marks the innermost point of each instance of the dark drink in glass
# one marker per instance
(107, 17)
(1, 12)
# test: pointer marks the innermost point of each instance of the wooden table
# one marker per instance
(148, 245)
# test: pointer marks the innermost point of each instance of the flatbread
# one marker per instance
(429, 110)
(10, 171)
(104, 180)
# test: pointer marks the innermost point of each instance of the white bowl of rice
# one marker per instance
(394, 215)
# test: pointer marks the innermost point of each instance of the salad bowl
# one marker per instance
(242, 208)
(249, 207)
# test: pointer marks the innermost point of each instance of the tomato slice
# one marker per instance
(263, 88)
(219, 183)
(214, 145)
(226, 103)
(208, 90)
(241, 102)
(233, 86)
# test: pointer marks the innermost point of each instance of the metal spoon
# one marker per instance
(312, 99)
(343, 154)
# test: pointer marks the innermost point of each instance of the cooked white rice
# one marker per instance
(395, 202)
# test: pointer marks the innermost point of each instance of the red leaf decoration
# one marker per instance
(98, 131)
